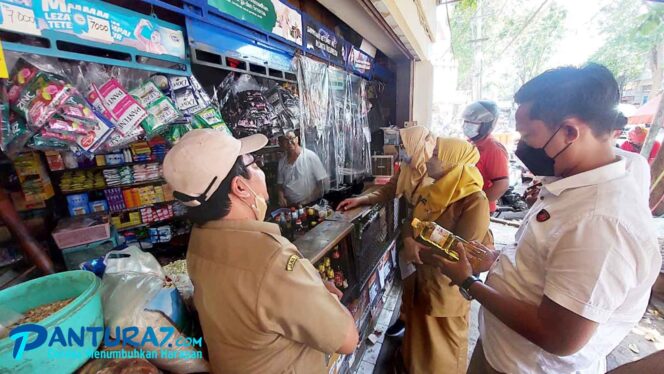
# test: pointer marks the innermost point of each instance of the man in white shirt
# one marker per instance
(578, 278)
(301, 177)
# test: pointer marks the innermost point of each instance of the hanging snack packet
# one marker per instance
(147, 94)
(126, 112)
(19, 135)
(162, 113)
(186, 101)
(41, 98)
(40, 143)
(93, 140)
(209, 118)
(117, 140)
(66, 138)
(176, 82)
(60, 125)
(203, 97)
(176, 131)
(78, 110)
(21, 75)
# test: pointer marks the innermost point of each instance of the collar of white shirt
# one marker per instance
(593, 177)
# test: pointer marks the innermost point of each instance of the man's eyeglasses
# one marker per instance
(254, 159)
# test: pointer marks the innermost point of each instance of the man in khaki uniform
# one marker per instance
(263, 308)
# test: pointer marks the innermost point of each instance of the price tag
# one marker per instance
(19, 19)
(3, 64)
(99, 29)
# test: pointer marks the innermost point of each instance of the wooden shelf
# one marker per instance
(104, 167)
(155, 181)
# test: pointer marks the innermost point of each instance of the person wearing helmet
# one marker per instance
(479, 120)
(636, 137)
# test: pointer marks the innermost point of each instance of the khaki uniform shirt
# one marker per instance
(428, 289)
(263, 308)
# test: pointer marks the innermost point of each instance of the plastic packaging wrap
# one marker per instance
(134, 294)
(334, 119)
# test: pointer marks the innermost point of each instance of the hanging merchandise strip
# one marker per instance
(94, 31)
(334, 119)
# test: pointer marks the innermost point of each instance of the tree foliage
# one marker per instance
(632, 30)
(517, 34)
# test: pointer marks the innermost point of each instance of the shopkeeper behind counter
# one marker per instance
(263, 308)
(302, 177)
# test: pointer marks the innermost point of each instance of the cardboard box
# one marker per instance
(390, 150)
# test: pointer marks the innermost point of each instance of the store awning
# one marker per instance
(646, 113)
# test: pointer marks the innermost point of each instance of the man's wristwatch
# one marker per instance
(465, 286)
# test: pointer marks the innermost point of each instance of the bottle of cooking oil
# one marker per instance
(433, 234)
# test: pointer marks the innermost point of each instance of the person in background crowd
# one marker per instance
(262, 306)
(578, 278)
(437, 315)
(417, 145)
(479, 120)
(301, 176)
(635, 139)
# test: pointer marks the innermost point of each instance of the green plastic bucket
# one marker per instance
(84, 311)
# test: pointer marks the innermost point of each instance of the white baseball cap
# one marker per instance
(201, 160)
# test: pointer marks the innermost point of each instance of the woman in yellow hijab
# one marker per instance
(436, 338)
(417, 147)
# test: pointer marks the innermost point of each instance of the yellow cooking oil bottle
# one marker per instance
(433, 234)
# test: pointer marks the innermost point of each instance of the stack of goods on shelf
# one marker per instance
(334, 268)
(81, 180)
(34, 179)
(297, 221)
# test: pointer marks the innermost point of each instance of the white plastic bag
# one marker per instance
(132, 259)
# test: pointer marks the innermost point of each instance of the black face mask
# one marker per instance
(536, 159)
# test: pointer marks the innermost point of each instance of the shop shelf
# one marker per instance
(150, 224)
(104, 167)
(146, 183)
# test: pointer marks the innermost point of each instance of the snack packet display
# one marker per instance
(211, 119)
(94, 139)
(19, 134)
(147, 94)
(60, 125)
(42, 97)
(161, 113)
(40, 143)
(76, 109)
(62, 137)
(176, 132)
(126, 112)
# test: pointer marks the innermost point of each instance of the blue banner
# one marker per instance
(93, 21)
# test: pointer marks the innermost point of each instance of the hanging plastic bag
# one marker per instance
(132, 259)
(135, 294)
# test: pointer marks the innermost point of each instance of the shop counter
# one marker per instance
(351, 215)
(321, 239)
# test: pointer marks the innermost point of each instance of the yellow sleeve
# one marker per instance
(385, 193)
(473, 223)
(293, 302)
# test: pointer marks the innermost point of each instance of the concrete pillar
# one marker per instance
(422, 92)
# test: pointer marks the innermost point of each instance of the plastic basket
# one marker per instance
(75, 231)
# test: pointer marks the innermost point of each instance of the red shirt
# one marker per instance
(493, 164)
(629, 147)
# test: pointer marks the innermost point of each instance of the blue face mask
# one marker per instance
(403, 156)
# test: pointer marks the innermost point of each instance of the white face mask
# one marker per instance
(259, 206)
(471, 130)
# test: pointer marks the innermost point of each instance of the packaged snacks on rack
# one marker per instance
(60, 125)
(62, 137)
(19, 135)
(48, 93)
(76, 109)
(177, 131)
(96, 137)
(161, 113)
(147, 94)
(126, 112)
(209, 118)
